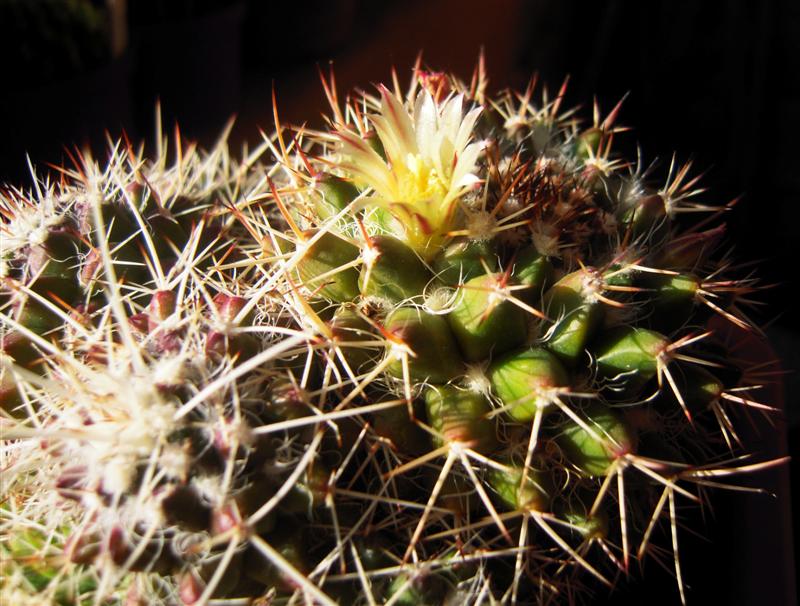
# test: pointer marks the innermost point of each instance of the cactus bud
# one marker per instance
(647, 218)
(54, 267)
(698, 387)
(483, 322)
(534, 493)
(392, 270)
(673, 300)
(192, 583)
(595, 452)
(162, 306)
(525, 381)
(630, 356)
(460, 415)
(228, 307)
(336, 194)
(569, 302)
(227, 341)
(463, 260)
(588, 526)
(587, 143)
(435, 356)
(320, 267)
(533, 270)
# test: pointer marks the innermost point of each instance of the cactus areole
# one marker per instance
(451, 347)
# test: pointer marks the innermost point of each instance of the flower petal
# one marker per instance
(394, 128)
(365, 164)
(451, 117)
(465, 164)
(465, 130)
(425, 123)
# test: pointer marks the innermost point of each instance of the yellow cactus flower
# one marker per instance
(428, 166)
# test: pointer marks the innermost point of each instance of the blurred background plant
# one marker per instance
(51, 39)
(65, 68)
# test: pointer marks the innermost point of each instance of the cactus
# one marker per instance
(450, 348)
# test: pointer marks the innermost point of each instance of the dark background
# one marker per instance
(716, 82)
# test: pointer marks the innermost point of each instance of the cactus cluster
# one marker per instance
(450, 348)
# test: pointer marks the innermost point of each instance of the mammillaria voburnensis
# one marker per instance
(450, 348)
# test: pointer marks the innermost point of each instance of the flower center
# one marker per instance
(422, 182)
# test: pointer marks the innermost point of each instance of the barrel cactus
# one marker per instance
(450, 348)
